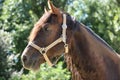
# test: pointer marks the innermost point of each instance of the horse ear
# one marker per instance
(52, 7)
(55, 10)
(45, 10)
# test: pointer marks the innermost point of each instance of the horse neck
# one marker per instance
(84, 57)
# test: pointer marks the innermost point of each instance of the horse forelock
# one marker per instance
(38, 26)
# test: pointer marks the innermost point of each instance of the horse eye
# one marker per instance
(46, 28)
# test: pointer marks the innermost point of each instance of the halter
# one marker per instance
(43, 50)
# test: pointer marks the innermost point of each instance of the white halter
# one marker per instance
(43, 50)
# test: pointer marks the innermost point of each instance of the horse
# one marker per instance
(56, 33)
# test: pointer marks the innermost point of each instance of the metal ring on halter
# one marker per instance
(43, 51)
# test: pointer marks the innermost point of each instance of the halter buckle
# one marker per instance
(66, 48)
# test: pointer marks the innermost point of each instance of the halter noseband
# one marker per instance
(43, 50)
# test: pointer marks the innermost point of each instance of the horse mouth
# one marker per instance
(33, 65)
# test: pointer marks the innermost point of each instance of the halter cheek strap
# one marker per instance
(64, 27)
(44, 50)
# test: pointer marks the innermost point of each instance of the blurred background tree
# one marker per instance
(17, 18)
(5, 50)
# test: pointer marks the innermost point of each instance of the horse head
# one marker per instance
(46, 40)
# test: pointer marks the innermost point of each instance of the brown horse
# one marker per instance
(88, 57)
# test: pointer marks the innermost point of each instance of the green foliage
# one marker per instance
(5, 47)
(45, 73)
(1, 4)
(17, 19)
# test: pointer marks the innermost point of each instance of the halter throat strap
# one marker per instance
(43, 50)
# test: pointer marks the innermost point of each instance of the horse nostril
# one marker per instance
(24, 58)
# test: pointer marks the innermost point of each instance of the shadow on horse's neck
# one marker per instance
(89, 57)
